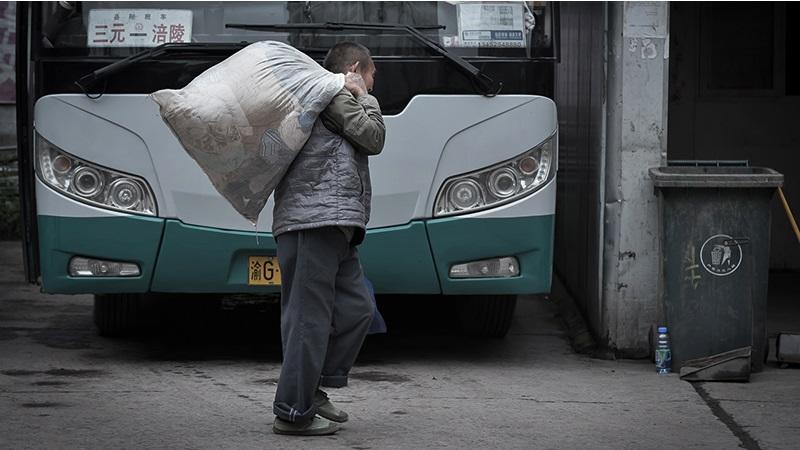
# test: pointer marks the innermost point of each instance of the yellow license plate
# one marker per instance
(263, 271)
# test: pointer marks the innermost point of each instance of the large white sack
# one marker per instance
(245, 119)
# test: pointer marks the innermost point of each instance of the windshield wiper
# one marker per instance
(86, 81)
(483, 83)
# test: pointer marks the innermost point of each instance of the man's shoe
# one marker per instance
(326, 409)
(316, 427)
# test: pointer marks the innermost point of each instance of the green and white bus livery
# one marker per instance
(463, 193)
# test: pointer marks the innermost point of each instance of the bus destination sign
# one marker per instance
(138, 27)
(491, 25)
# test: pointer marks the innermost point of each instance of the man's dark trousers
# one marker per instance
(325, 314)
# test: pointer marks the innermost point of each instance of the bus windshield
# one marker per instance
(468, 29)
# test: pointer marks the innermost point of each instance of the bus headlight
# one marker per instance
(503, 182)
(498, 184)
(91, 183)
(125, 194)
(465, 194)
(87, 182)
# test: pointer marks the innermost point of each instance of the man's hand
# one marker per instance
(354, 82)
(530, 21)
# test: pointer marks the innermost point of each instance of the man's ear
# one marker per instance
(354, 67)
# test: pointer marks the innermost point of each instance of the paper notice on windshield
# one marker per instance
(138, 27)
(491, 25)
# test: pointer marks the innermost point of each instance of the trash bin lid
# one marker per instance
(715, 177)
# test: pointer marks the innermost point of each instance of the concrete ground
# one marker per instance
(205, 379)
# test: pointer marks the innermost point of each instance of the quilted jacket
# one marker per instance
(328, 183)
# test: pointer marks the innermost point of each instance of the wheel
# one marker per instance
(116, 314)
(487, 315)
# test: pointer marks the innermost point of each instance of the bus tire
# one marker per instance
(487, 315)
(116, 314)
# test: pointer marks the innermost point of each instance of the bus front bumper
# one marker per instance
(410, 259)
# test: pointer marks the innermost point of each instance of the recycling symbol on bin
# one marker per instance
(721, 255)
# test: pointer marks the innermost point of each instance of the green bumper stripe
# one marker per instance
(201, 259)
(125, 238)
(530, 239)
(397, 260)
(208, 260)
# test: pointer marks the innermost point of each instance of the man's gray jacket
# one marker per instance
(328, 183)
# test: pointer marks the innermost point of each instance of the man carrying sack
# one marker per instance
(322, 206)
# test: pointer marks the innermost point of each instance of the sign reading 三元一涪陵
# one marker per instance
(491, 25)
(138, 27)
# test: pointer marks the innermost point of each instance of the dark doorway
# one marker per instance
(734, 94)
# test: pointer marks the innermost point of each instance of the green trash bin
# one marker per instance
(715, 226)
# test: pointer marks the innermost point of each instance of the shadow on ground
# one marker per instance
(198, 328)
(419, 327)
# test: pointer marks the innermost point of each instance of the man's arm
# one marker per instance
(358, 120)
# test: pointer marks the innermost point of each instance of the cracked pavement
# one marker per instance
(203, 378)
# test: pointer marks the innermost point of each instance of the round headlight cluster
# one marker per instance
(87, 182)
(90, 183)
(503, 183)
(62, 164)
(465, 194)
(528, 165)
(122, 193)
(497, 184)
(125, 194)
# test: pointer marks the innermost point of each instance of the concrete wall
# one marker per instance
(636, 141)
(611, 91)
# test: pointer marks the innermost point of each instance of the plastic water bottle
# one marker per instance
(663, 352)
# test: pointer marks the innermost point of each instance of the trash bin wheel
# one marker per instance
(487, 315)
(116, 314)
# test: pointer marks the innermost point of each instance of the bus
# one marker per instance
(463, 194)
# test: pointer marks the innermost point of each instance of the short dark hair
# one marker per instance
(344, 54)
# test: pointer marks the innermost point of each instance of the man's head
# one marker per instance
(351, 57)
